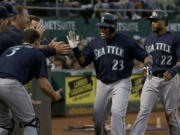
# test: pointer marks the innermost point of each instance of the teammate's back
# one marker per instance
(22, 62)
(19, 64)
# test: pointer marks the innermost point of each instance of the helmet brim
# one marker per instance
(155, 18)
(105, 25)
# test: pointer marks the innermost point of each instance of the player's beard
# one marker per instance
(105, 35)
(105, 32)
(157, 29)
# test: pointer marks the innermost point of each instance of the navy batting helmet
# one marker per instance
(158, 15)
(108, 20)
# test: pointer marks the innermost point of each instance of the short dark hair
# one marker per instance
(33, 17)
(19, 9)
(30, 36)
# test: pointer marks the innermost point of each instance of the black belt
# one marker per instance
(7, 76)
(109, 82)
(158, 74)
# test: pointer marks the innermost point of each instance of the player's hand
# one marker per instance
(40, 28)
(73, 39)
(149, 72)
(56, 44)
(148, 68)
(58, 96)
(34, 102)
(62, 48)
(68, 61)
(53, 41)
(167, 76)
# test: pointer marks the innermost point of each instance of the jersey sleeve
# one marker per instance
(139, 53)
(88, 53)
(6, 43)
(41, 66)
(177, 48)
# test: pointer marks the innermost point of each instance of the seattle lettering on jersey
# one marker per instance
(108, 50)
(158, 47)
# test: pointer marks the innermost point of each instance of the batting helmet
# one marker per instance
(158, 15)
(108, 20)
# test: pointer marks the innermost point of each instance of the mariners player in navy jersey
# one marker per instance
(112, 54)
(5, 41)
(19, 64)
(164, 47)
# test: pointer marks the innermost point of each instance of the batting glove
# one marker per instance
(149, 72)
(148, 68)
(73, 39)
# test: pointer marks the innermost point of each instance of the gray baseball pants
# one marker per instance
(14, 97)
(169, 95)
(117, 94)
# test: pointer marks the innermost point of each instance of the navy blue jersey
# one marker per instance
(113, 58)
(14, 34)
(5, 42)
(165, 50)
(23, 63)
(45, 42)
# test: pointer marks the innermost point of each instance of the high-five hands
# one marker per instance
(40, 28)
(61, 47)
(73, 39)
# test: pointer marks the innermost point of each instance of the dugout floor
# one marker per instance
(60, 123)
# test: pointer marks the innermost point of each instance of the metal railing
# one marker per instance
(57, 8)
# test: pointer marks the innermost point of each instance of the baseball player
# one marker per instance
(19, 64)
(112, 54)
(164, 47)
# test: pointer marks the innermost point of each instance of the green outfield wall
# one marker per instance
(60, 27)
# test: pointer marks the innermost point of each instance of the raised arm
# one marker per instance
(74, 42)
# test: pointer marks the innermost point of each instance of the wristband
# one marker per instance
(77, 52)
(148, 64)
(177, 68)
(174, 70)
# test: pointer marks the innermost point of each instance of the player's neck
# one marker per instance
(112, 35)
(2, 29)
(27, 43)
(163, 31)
(18, 27)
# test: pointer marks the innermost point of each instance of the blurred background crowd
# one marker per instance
(133, 9)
